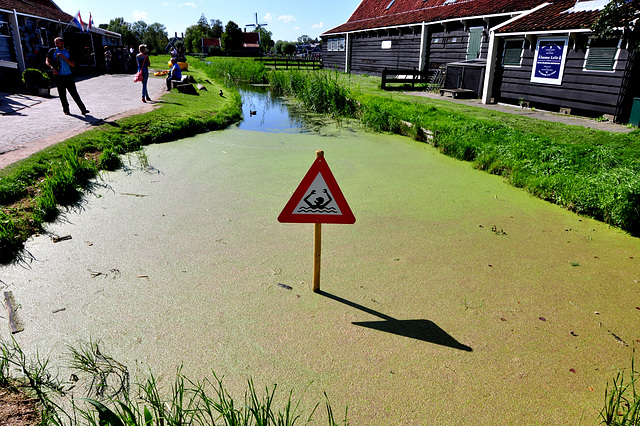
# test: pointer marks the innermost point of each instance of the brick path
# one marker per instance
(30, 123)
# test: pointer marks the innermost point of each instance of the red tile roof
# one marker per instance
(372, 14)
(555, 16)
(40, 8)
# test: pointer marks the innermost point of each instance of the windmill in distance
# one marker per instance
(257, 26)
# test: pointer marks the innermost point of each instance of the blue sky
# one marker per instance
(286, 19)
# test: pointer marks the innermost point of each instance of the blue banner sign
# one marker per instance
(548, 64)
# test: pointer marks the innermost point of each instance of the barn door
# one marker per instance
(475, 41)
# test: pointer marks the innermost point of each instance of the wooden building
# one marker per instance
(27, 31)
(551, 59)
(476, 44)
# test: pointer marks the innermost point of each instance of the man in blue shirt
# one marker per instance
(175, 73)
(59, 60)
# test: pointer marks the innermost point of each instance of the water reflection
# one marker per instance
(265, 112)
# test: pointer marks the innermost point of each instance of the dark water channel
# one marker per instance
(265, 112)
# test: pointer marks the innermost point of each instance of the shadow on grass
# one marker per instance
(419, 329)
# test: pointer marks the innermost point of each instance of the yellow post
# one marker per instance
(317, 246)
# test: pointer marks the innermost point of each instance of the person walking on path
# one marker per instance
(175, 73)
(59, 60)
(143, 65)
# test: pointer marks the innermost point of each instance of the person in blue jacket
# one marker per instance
(60, 62)
(175, 73)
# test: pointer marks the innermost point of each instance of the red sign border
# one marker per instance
(319, 166)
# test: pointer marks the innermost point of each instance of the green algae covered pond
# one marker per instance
(454, 298)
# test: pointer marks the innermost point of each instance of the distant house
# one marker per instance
(210, 45)
(27, 30)
(493, 48)
(251, 43)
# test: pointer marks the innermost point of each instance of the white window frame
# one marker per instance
(615, 59)
(556, 81)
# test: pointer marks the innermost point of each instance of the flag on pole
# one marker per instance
(91, 24)
(78, 21)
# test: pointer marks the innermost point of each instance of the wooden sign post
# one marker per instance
(317, 200)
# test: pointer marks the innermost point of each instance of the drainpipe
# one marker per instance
(347, 50)
(423, 44)
(17, 41)
(490, 68)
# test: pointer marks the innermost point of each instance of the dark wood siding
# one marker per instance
(586, 92)
(450, 44)
(332, 60)
(369, 57)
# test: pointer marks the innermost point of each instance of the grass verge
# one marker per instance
(33, 191)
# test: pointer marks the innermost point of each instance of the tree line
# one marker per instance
(231, 36)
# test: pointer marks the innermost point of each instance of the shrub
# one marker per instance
(32, 77)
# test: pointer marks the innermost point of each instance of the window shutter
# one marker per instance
(512, 52)
(601, 58)
(475, 41)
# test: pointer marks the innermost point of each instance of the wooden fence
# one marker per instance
(291, 63)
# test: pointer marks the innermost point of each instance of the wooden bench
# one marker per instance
(176, 83)
(404, 77)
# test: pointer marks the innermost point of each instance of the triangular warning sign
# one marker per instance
(317, 199)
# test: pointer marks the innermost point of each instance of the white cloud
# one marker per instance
(320, 25)
(269, 17)
(286, 18)
(190, 4)
(139, 15)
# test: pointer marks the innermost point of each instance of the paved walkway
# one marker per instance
(572, 120)
(30, 123)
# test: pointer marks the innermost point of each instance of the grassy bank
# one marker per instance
(33, 191)
(590, 172)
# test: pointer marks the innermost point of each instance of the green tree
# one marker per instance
(194, 34)
(139, 29)
(266, 43)
(619, 17)
(288, 48)
(120, 26)
(193, 39)
(216, 28)
(232, 38)
(156, 38)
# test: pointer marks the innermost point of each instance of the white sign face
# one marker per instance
(386, 44)
(318, 200)
(548, 64)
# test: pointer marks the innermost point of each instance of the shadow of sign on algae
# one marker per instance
(419, 329)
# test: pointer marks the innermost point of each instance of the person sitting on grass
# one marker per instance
(175, 73)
